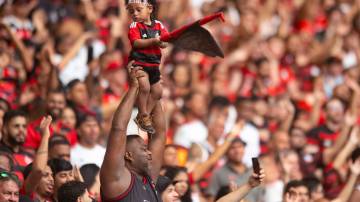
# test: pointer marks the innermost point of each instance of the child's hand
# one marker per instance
(160, 43)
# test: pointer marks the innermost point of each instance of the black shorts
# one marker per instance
(154, 74)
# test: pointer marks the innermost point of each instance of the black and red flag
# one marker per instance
(196, 38)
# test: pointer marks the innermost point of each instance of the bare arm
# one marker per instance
(70, 54)
(346, 192)
(348, 148)
(40, 161)
(157, 142)
(202, 168)
(237, 195)
(26, 58)
(114, 176)
(330, 153)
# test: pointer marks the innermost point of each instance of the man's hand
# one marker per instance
(45, 125)
(255, 180)
(355, 167)
(135, 73)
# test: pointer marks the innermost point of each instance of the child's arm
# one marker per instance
(145, 43)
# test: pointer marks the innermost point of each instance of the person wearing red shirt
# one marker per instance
(14, 134)
(55, 104)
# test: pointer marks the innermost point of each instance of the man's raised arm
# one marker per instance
(114, 177)
(157, 142)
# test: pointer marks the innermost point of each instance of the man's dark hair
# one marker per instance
(312, 183)
(58, 140)
(219, 101)
(294, 184)
(84, 117)
(71, 191)
(89, 172)
(9, 115)
(56, 91)
(59, 165)
(239, 100)
(162, 183)
(72, 84)
(355, 154)
(131, 138)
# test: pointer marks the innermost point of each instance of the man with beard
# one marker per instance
(55, 104)
(130, 165)
(14, 134)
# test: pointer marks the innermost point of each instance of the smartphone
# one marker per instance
(256, 165)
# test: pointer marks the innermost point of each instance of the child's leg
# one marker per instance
(143, 96)
(155, 95)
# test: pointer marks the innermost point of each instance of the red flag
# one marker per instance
(196, 38)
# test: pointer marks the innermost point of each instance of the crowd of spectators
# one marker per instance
(287, 91)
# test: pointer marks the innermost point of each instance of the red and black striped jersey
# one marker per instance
(151, 56)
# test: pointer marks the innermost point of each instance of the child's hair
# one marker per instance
(152, 3)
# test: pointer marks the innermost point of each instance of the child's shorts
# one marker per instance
(154, 74)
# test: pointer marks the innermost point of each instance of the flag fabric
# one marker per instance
(196, 38)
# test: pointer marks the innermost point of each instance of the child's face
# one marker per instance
(140, 12)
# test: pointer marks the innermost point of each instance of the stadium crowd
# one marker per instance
(287, 92)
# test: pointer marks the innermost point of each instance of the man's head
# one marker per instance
(170, 156)
(290, 159)
(335, 111)
(236, 151)
(244, 108)
(14, 129)
(140, 10)
(46, 185)
(315, 188)
(219, 106)
(59, 148)
(280, 140)
(297, 189)
(88, 130)
(196, 104)
(297, 138)
(55, 103)
(137, 155)
(216, 126)
(77, 92)
(62, 172)
(73, 191)
(9, 187)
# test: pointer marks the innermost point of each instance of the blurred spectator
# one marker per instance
(62, 171)
(233, 171)
(9, 187)
(91, 175)
(59, 148)
(167, 190)
(194, 131)
(89, 133)
(180, 179)
(55, 105)
(73, 191)
(14, 135)
(296, 191)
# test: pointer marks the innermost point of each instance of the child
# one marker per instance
(144, 36)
